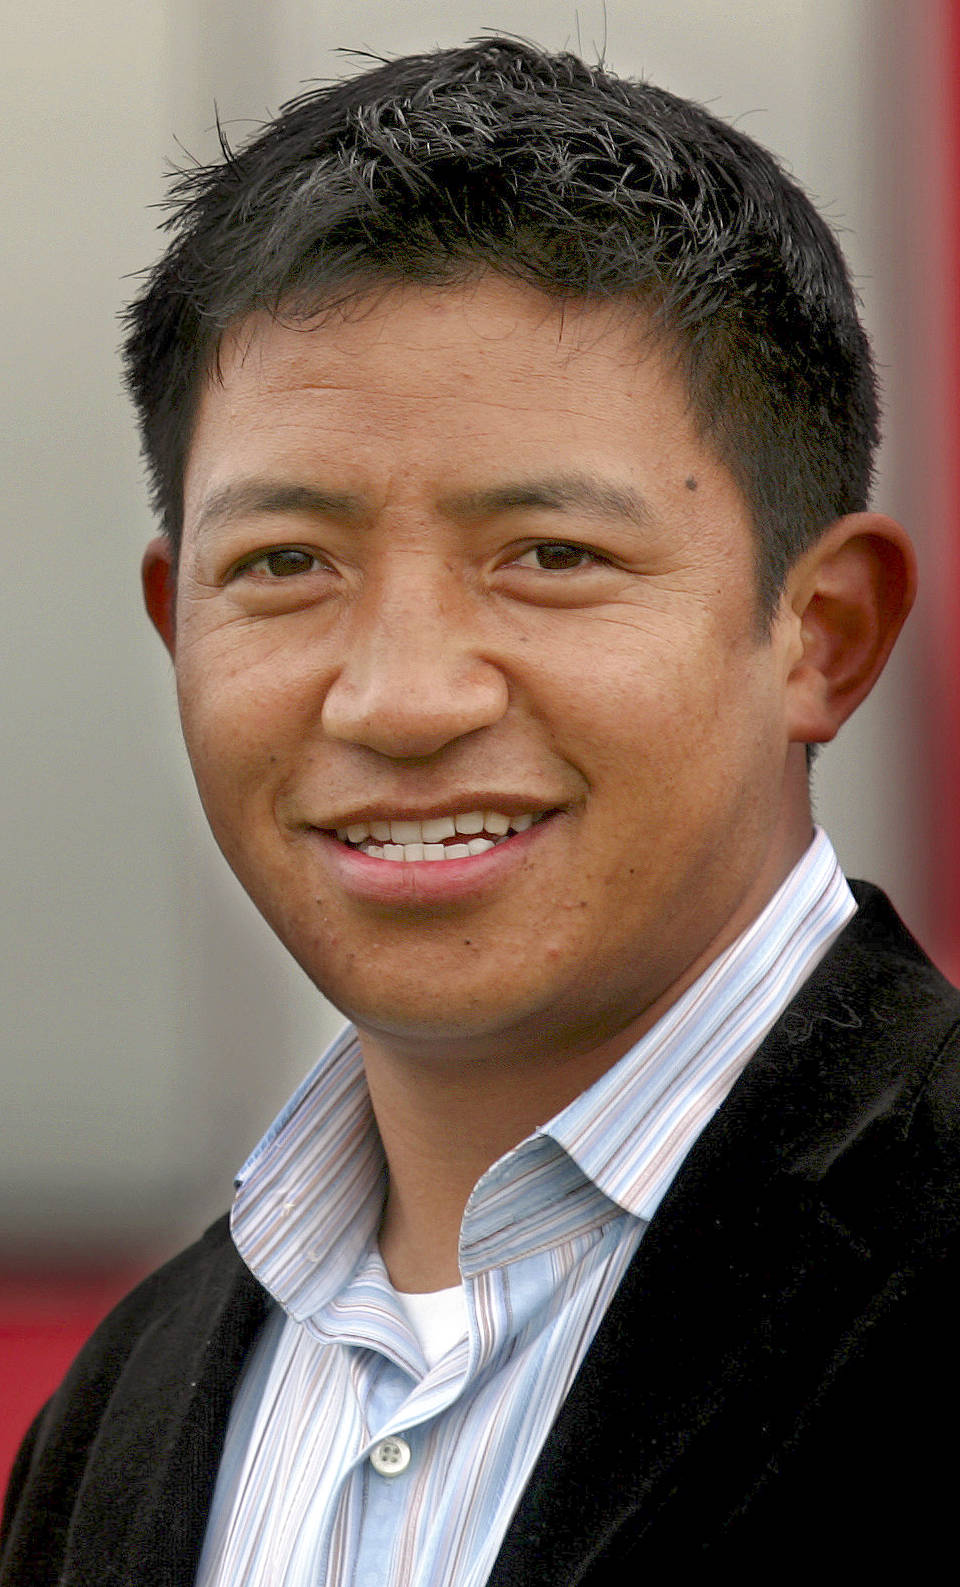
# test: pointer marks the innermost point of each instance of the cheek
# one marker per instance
(638, 707)
(680, 752)
(239, 718)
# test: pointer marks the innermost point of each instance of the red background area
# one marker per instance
(44, 1319)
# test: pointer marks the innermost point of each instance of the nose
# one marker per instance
(414, 677)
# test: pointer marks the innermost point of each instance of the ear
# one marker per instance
(160, 589)
(850, 595)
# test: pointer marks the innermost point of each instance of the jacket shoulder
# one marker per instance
(134, 1381)
(856, 1090)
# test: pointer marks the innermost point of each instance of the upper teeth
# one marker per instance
(473, 824)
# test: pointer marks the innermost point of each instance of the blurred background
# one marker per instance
(151, 1025)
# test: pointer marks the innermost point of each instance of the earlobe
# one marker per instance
(160, 589)
(851, 593)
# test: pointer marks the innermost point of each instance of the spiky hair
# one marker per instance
(499, 156)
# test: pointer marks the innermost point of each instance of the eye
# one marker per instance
(558, 556)
(282, 563)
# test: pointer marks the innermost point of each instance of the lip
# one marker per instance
(413, 882)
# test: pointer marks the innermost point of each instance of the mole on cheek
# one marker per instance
(691, 482)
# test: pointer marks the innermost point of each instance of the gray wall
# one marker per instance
(152, 1026)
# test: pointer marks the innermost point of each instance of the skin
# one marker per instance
(422, 655)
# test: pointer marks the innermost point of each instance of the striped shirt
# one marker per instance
(349, 1458)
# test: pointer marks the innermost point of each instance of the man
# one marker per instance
(511, 430)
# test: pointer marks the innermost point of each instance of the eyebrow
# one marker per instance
(564, 493)
(246, 497)
(559, 493)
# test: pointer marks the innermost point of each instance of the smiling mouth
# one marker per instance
(455, 837)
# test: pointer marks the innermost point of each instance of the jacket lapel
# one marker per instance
(762, 1254)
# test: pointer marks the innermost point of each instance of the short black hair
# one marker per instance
(498, 155)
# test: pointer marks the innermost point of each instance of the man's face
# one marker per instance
(463, 552)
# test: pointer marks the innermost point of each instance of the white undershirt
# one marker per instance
(438, 1318)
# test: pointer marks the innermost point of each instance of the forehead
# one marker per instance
(431, 389)
(508, 318)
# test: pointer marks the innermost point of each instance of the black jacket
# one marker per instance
(774, 1387)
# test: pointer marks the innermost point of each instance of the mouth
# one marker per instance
(460, 836)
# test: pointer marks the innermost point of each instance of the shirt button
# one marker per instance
(390, 1456)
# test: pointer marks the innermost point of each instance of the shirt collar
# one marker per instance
(310, 1196)
(630, 1130)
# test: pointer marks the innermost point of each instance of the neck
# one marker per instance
(447, 1116)
(447, 1113)
(443, 1124)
